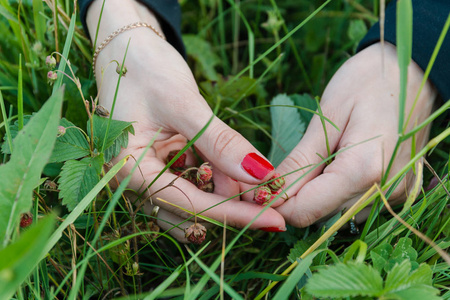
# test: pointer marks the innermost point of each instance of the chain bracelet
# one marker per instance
(110, 37)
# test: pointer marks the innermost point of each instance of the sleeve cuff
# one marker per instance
(429, 18)
(168, 13)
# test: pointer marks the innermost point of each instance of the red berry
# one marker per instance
(262, 196)
(277, 183)
(180, 162)
(207, 187)
(26, 220)
(196, 233)
(204, 173)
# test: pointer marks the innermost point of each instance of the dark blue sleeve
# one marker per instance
(168, 13)
(429, 17)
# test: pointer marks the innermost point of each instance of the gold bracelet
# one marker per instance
(119, 31)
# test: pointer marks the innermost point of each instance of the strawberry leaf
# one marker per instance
(71, 145)
(32, 148)
(78, 178)
(287, 128)
(346, 280)
(116, 128)
(120, 142)
(401, 278)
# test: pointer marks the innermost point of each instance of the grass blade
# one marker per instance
(404, 44)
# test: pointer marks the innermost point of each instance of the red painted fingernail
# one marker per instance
(273, 229)
(234, 180)
(256, 166)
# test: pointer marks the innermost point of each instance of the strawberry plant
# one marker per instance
(70, 230)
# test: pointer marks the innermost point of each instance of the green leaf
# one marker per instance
(116, 129)
(398, 275)
(416, 293)
(403, 250)
(201, 51)
(380, 255)
(120, 142)
(32, 148)
(305, 101)
(71, 145)
(401, 283)
(13, 130)
(22, 256)
(78, 178)
(287, 128)
(356, 31)
(346, 280)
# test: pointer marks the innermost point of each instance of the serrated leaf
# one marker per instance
(400, 277)
(307, 102)
(32, 148)
(22, 256)
(346, 280)
(287, 128)
(120, 142)
(116, 128)
(416, 293)
(78, 178)
(71, 145)
(201, 51)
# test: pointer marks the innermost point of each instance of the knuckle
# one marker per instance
(297, 161)
(303, 218)
(226, 139)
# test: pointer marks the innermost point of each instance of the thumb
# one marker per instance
(230, 152)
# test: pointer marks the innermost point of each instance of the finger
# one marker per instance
(227, 149)
(186, 195)
(325, 194)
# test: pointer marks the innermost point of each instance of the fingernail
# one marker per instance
(256, 166)
(273, 229)
(234, 180)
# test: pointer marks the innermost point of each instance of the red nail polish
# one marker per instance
(273, 229)
(256, 166)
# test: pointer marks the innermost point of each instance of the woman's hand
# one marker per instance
(362, 100)
(159, 92)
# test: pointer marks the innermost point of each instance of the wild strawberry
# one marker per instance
(204, 173)
(277, 183)
(275, 194)
(207, 187)
(26, 220)
(51, 185)
(262, 195)
(51, 77)
(50, 61)
(61, 131)
(180, 162)
(196, 233)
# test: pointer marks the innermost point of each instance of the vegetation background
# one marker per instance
(248, 54)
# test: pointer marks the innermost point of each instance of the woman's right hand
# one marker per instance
(159, 92)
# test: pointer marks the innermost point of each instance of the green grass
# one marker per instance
(242, 71)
